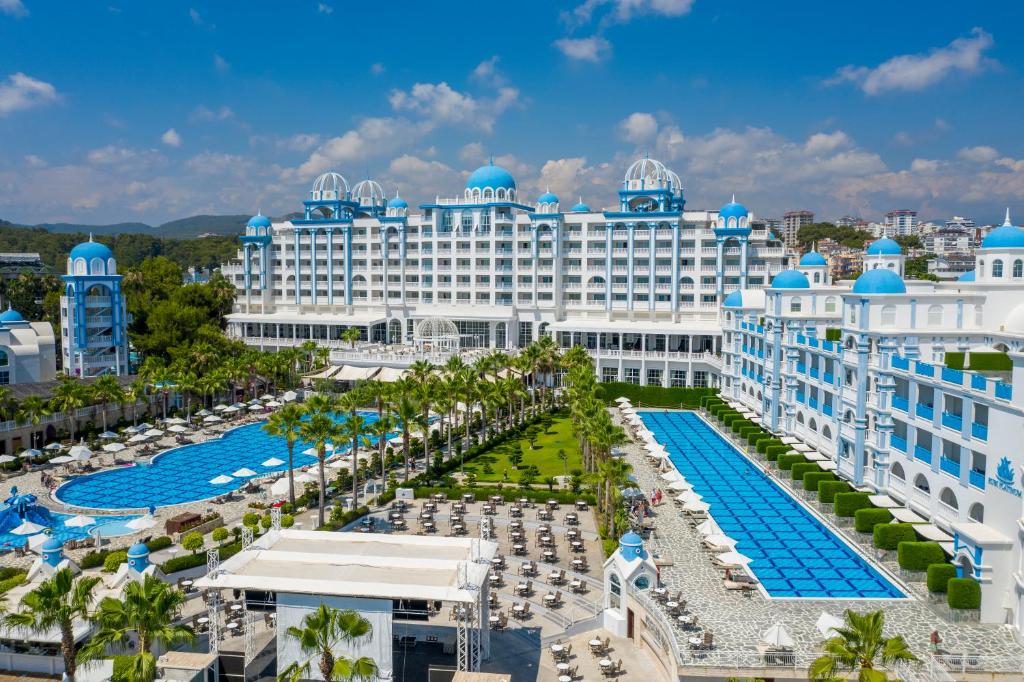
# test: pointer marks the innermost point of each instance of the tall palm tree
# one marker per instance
(321, 632)
(354, 431)
(858, 647)
(7, 403)
(287, 423)
(320, 430)
(380, 429)
(68, 396)
(134, 394)
(444, 405)
(406, 411)
(309, 351)
(149, 609)
(613, 474)
(31, 410)
(529, 361)
(105, 390)
(56, 604)
(352, 336)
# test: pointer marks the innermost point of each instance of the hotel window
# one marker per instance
(653, 377)
(485, 220)
(997, 268)
(467, 221)
(632, 375)
(677, 377)
(795, 304)
(5, 368)
(830, 304)
(446, 221)
(1018, 268)
(889, 316)
(935, 311)
(700, 379)
(609, 374)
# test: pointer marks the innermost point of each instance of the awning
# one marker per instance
(930, 531)
(350, 373)
(883, 501)
(906, 516)
(325, 374)
(391, 374)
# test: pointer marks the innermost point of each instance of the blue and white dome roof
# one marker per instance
(581, 207)
(733, 209)
(812, 259)
(879, 281)
(790, 279)
(90, 249)
(547, 198)
(884, 247)
(631, 546)
(398, 202)
(734, 300)
(258, 220)
(11, 315)
(745, 298)
(967, 277)
(1006, 236)
(494, 177)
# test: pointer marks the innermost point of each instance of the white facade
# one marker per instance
(878, 399)
(639, 285)
(28, 350)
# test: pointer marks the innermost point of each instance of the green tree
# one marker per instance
(406, 412)
(917, 268)
(105, 390)
(31, 410)
(68, 395)
(859, 647)
(351, 335)
(56, 604)
(219, 535)
(286, 423)
(321, 632)
(193, 541)
(320, 429)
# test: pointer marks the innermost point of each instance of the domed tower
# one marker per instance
(329, 209)
(490, 183)
(580, 207)
(330, 199)
(370, 197)
(884, 253)
(1000, 258)
(815, 267)
(630, 569)
(547, 203)
(93, 313)
(393, 228)
(255, 241)
(732, 239)
(649, 186)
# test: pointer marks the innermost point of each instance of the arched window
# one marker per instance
(812, 425)
(981, 268)
(96, 266)
(897, 472)
(977, 512)
(500, 193)
(488, 193)
(830, 304)
(467, 221)
(799, 417)
(112, 266)
(853, 314)
(817, 277)
(511, 195)
(1018, 268)
(80, 266)
(921, 483)
(997, 268)
(948, 498)
(642, 582)
(892, 266)
(826, 432)
(795, 304)
(935, 316)
(446, 221)
(615, 591)
(888, 316)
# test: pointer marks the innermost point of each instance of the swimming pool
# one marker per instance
(793, 554)
(183, 474)
(107, 526)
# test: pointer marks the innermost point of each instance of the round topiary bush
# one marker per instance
(193, 541)
(939, 576)
(865, 520)
(890, 535)
(287, 520)
(848, 503)
(918, 556)
(220, 534)
(114, 560)
(963, 593)
(251, 519)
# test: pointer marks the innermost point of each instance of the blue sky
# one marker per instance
(117, 111)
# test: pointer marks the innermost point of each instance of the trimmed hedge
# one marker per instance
(918, 556)
(989, 362)
(815, 478)
(801, 469)
(939, 576)
(827, 490)
(756, 435)
(114, 561)
(786, 462)
(762, 443)
(890, 535)
(97, 557)
(12, 581)
(963, 593)
(187, 561)
(833, 334)
(773, 451)
(865, 520)
(657, 396)
(846, 504)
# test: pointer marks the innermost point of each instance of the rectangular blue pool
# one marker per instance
(793, 554)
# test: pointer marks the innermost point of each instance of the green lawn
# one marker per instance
(544, 457)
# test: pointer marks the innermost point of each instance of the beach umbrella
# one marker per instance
(256, 408)
(622, 400)
(272, 462)
(289, 396)
(254, 401)
(142, 522)
(339, 463)
(153, 433)
(220, 407)
(28, 528)
(244, 473)
(79, 453)
(221, 480)
(733, 559)
(229, 410)
(679, 486)
(138, 438)
(174, 420)
(266, 396)
(108, 435)
(690, 496)
(62, 459)
(696, 506)
(6, 459)
(671, 475)
(708, 527)
(777, 636)
(212, 419)
(720, 540)
(305, 477)
(143, 426)
(30, 453)
(79, 521)
(273, 403)
(36, 541)
(828, 625)
(203, 413)
(279, 487)
(114, 447)
(328, 447)
(53, 447)
(177, 428)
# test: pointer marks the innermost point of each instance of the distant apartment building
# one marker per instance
(899, 223)
(851, 221)
(792, 221)
(12, 265)
(956, 236)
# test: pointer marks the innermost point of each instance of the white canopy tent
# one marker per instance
(776, 636)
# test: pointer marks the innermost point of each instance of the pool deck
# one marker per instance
(738, 621)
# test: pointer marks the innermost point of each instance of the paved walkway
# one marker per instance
(738, 621)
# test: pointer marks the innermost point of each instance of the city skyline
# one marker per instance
(213, 113)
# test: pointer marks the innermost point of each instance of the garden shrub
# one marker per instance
(786, 462)
(187, 561)
(848, 503)
(219, 535)
(813, 479)
(192, 541)
(827, 490)
(287, 520)
(890, 535)
(865, 520)
(251, 519)
(918, 556)
(114, 560)
(756, 435)
(162, 542)
(963, 593)
(800, 469)
(12, 581)
(773, 451)
(763, 443)
(939, 576)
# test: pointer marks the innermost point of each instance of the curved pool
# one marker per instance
(106, 526)
(183, 474)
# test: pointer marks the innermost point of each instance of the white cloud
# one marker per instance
(440, 103)
(299, 142)
(110, 154)
(33, 161)
(638, 128)
(912, 72)
(20, 92)
(14, 8)
(377, 68)
(473, 152)
(487, 71)
(823, 143)
(220, 64)
(979, 154)
(203, 114)
(324, 8)
(592, 49)
(372, 137)
(625, 10)
(171, 138)
(217, 163)
(926, 166)
(198, 19)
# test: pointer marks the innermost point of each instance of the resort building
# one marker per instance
(639, 284)
(94, 320)
(28, 350)
(914, 389)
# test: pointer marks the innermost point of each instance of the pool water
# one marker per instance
(793, 554)
(183, 474)
(108, 527)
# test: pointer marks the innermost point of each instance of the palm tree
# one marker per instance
(56, 604)
(354, 430)
(68, 396)
(858, 647)
(444, 405)
(406, 412)
(309, 350)
(135, 393)
(31, 410)
(105, 390)
(380, 429)
(320, 429)
(352, 335)
(426, 395)
(613, 473)
(7, 404)
(287, 423)
(149, 609)
(321, 632)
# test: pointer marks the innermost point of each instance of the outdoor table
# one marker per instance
(515, 525)
(577, 563)
(458, 528)
(660, 591)
(515, 511)
(497, 561)
(468, 497)
(557, 648)
(518, 608)
(394, 515)
(571, 519)
(203, 620)
(562, 667)
(596, 643)
(232, 625)
(493, 619)
(581, 505)
(695, 641)
(186, 584)
(572, 534)
(552, 504)
(438, 497)
(605, 662)
(519, 549)
(428, 524)
(686, 620)
(459, 506)
(524, 502)
(577, 545)
(426, 516)
(543, 528)
(236, 607)
(564, 678)
(545, 538)
(549, 556)
(497, 499)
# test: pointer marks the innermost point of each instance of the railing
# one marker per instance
(976, 479)
(1004, 391)
(952, 421)
(979, 431)
(898, 443)
(900, 403)
(949, 466)
(953, 376)
(925, 411)
(924, 369)
(923, 454)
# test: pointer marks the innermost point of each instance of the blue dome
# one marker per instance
(812, 258)
(631, 539)
(581, 207)
(733, 210)
(11, 315)
(879, 281)
(491, 176)
(398, 202)
(90, 249)
(734, 300)
(1004, 237)
(547, 198)
(966, 277)
(790, 279)
(258, 220)
(138, 550)
(52, 545)
(884, 247)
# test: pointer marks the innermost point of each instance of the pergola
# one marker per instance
(436, 334)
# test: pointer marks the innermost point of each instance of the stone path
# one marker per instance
(738, 621)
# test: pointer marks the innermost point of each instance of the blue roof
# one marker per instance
(11, 315)
(967, 277)
(733, 210)
(490, 176)
(547, 198)
(398, 202)
(879, 281)
(258, 220)
(52, 545)
(1004, 237)
(581, 208)
(734, 300)
(813, 258)
(138, 550)
(631, 538)
(884, 247)
(90, 249)
(790, 279)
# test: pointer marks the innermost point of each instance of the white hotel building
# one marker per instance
(859, 372)
(640, 285)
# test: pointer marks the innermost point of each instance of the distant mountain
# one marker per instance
(116, 228)
(183, 228)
